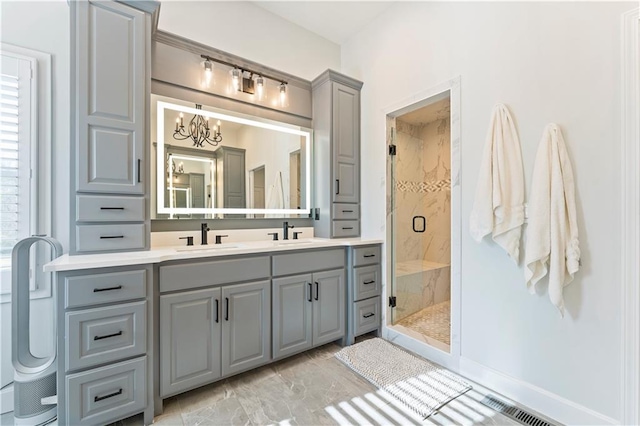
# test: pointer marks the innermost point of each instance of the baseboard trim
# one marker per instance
(549, 404)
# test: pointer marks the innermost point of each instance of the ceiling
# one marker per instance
(429, 113)
(336, 21)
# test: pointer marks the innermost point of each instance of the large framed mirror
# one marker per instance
(211, 163)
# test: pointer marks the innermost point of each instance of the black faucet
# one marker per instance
(204, 228)
(285, 230)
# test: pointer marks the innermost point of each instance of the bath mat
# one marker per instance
(420, 385)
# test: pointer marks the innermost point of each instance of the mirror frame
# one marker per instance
(160, 188)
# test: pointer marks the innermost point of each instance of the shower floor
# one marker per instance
(433, 322)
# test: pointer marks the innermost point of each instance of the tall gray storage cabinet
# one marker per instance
(110, 86)
(336, 124)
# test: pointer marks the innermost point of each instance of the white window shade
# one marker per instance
(25, 157)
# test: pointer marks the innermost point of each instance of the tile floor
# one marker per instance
(312, 388)
(433, 321)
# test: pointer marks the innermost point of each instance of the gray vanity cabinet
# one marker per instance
(105, 348)
(328, 307)
(308, 310)
(246, 326)
(190, 328)
(346, 143)
(110, 84)
(336, 125)
(292, 315)
(212, 333)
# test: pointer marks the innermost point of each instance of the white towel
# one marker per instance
(499, 204)
(552, 234)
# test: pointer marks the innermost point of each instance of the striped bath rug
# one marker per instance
(422, 386)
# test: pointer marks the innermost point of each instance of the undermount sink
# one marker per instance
(291, 242)
(210, 248)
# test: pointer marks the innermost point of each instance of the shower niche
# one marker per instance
(420, 169)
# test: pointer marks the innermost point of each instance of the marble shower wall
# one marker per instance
(423, 188)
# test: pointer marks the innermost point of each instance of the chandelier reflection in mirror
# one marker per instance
(198, 130)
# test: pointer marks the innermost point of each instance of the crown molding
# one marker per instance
(331, 75)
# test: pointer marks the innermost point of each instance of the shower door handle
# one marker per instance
(421, 226)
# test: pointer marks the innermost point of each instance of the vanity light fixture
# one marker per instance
(249, 81)
(198, 130)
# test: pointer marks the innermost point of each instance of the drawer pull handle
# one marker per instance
(111, 395)
(217, 311)
(226, 315)
(317, 290)
(310, 292)
(119, 333)
(369, 255)
(347, 227)
(369, 282)
(369, 315)
(111, 237)
(97, 290)
(347, 211)
(111, 208)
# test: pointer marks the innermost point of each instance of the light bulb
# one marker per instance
(236, 79)
(208, 72)
(260, 87)
(283, 95)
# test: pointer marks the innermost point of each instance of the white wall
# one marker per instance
(550, 62)
(251, 32)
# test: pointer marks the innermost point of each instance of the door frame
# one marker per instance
(449, 360)
(630, 336)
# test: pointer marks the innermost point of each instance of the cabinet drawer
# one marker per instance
(106, 394)
(345, 228)
(101, 335)
(85, 290)
(346, 211)
(366, 255)
(367, 282)
(300, 263)
(205, 274)
(110, 237)
(366, 316)
(103, 208)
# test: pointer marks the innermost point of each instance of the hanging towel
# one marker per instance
(552, 234)
(499, 204)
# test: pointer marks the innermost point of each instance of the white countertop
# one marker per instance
(164, 254)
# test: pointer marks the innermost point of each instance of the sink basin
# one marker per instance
(209, 248)
(292, 242)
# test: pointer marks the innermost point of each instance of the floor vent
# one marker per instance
(514, 412)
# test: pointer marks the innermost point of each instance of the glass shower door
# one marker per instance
(420, 202)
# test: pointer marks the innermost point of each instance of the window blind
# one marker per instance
(16, 133)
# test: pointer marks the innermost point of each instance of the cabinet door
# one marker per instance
(190, 325)
(291, 309)
(111, 51)
(346, 144)
(328, 306)
(246, 326)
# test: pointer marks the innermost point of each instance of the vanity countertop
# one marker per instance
(165, 254)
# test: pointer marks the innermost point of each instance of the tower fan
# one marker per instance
(35, 392)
